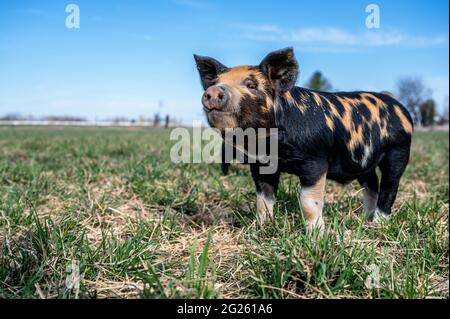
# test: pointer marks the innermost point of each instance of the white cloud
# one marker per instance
(35, 12)
(322, 35)
(338, 37)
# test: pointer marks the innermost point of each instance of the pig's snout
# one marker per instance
(215, 98)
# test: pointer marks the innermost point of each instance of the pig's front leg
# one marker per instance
(311, 202)
(266, 189)
(313, 175)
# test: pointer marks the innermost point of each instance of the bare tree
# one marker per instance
(11, 117)
(413, 92)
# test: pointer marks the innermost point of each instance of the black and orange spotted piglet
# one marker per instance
(340, 136)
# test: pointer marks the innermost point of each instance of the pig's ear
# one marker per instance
(281, 68)
(209, 69)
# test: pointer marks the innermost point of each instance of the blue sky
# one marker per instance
(129, 55)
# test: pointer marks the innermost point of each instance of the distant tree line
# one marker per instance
(156, 120)
(51, 118)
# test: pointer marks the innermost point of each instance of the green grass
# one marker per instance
(139, 226)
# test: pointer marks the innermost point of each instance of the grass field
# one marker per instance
(139, 226)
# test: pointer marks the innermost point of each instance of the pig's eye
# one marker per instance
(251, 85)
